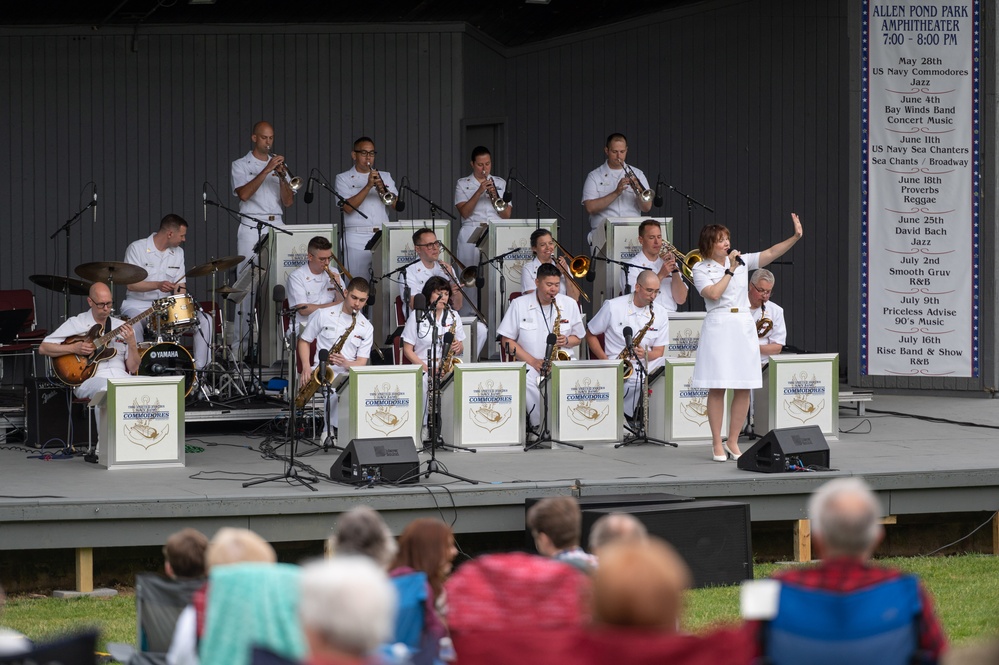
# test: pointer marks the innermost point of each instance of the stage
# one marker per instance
(917, 467)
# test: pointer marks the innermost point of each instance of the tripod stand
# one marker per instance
(291, 472)
(640, 433)
(545, 432)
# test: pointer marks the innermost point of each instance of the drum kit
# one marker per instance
(163, 354)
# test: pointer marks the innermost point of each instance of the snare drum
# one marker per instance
(168, 359)
(178, 315)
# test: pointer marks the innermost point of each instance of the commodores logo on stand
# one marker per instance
(684, 343)
(630, 250)
(588, 403)
(514, 263)
(406, 255)
(800, 394)
(379, 406)
(296, 256)
(693, 406)
(486, 406)
(142, 422)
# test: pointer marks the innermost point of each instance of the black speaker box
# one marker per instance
(47, 406)
(781, 448)
(713, 537)
(371, 460)
(612, 501)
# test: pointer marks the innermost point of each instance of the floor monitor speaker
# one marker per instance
(372, 460)
(782, 449)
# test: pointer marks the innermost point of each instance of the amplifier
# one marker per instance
(391, 459)
(47, 405)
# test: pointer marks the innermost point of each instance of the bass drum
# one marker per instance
(168, 359)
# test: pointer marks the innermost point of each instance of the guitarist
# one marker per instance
(124, 362)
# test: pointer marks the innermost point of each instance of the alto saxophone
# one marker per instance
(306, 393)
(450, 360)
(558, 353)
(764, 325)
(636, 341)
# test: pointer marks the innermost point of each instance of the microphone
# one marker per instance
(591, 274)
(658, 201)
(627, 337)
(324, 358)
(157, 369)
(204, 201)
(279, 293)
(95, 203)
(308, 191)
(508, 195)
(446, 344)
(400, 203)
(738, 259)
(550, 346)
(420, 305)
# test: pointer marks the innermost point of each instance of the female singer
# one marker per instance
(728, 356)
(543, 246)
(417, 336)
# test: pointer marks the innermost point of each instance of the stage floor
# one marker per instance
(917, 466)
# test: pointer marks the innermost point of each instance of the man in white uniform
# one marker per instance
(526, 326)
(673, 290)
(125, 361)
(261, 182)
(761, 285)
(632, 311)
(309, 285)
(362, 188)
(608, 193)
(162, 257)
(473, 197)
(325, 327)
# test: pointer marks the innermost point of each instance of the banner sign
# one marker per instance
(920, 193)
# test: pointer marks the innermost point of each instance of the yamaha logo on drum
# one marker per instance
(164, 354)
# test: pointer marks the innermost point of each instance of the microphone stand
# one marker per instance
(502, 276)
(342, 228)
(624, 264)
(66, 227)
(538, 202)
(291, 472)
(434, 208)
(545, 432)
(640, 432)
(328, 442)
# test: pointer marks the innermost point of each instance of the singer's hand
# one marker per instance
(733, 258)
(797, 225)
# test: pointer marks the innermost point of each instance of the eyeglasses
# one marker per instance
(366, 153)
(102, 305)
(654, 293)
(762, 292)
(435, 243)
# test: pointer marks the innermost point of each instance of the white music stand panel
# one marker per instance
(586, 402)
(483, 405)
(799, 390)
(381, 401)
(621, 244)
(143, 425)
(678, 412)
(684, 334)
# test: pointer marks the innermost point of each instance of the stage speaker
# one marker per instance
(611, 501)
(783, 448)
(47, 405)
(713, 537)
(371, 460)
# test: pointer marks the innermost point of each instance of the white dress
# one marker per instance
(729, 352)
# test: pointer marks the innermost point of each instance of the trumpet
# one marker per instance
(387, 197)
(499, 205)
(467, 278)
(645, 195)
(578, 267)
(293, 181)
(685, 261)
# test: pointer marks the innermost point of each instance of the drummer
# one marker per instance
(162, 257)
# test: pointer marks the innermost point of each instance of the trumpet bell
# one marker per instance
(499, 205)
(295, 184)
(646, 195)
(580, 266)
(388, 198)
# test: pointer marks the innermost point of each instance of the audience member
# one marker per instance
(184, 554)
(11, 641)
(556, 524)
(362, 531)
(347, 609)
(640, 584)
(614, 528)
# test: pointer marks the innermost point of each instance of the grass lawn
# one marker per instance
(965, 590)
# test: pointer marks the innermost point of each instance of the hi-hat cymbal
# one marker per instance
(60, 284)
(227, 290)
(111, 271)
(215, 265)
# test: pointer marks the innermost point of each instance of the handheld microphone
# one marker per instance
(95, 203)
(400, 203)
(324, 358)
(627, 337)
(738, 259)
(308, 191)
(508, 195)
(658, 201)
(550, 345)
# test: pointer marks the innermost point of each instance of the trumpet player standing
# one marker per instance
(372, 192)
(673, 290)
(315, 284)
(772, 331)
(479, 200)
(608, 192)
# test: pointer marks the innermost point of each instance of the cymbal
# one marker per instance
(227, 290)
(60, 284)
(106, 271)
(215, 265)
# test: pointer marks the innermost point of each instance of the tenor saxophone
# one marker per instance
(450, 360)
(558, 353)
(636, 341)
(306, 393)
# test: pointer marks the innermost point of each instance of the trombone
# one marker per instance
(645, 195)
(466, 279)
(293, 181)
(685, 261)
(578, 267)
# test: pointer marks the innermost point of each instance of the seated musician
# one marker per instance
(543, 246)
(312, 284)
(345, 333)
(528, 322)
(632, 311)
(773, 336)
(124, 358)
(417, 336)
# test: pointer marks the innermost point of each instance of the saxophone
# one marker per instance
(557, 352)
(764, 325)
(636, 341)
(306, 393)
(450, 360)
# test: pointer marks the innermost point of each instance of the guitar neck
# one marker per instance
(107, 337)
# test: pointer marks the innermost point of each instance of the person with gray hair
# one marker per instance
(773, 330)
(362, 531)
(347, 609)
(616, 528)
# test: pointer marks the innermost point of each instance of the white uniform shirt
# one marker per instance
(81, 324)
(167, 265)
(484, 210)
(529, 276)
(778, 334)
(348, 184)
(266, 201)
(304, 288)
(736, 295)
(529, 323)
(665, 297)
(326, 326)
(418, 274)
(420, 335)
(603, 180)
(619, 313)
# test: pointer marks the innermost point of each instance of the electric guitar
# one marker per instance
(73, 369)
